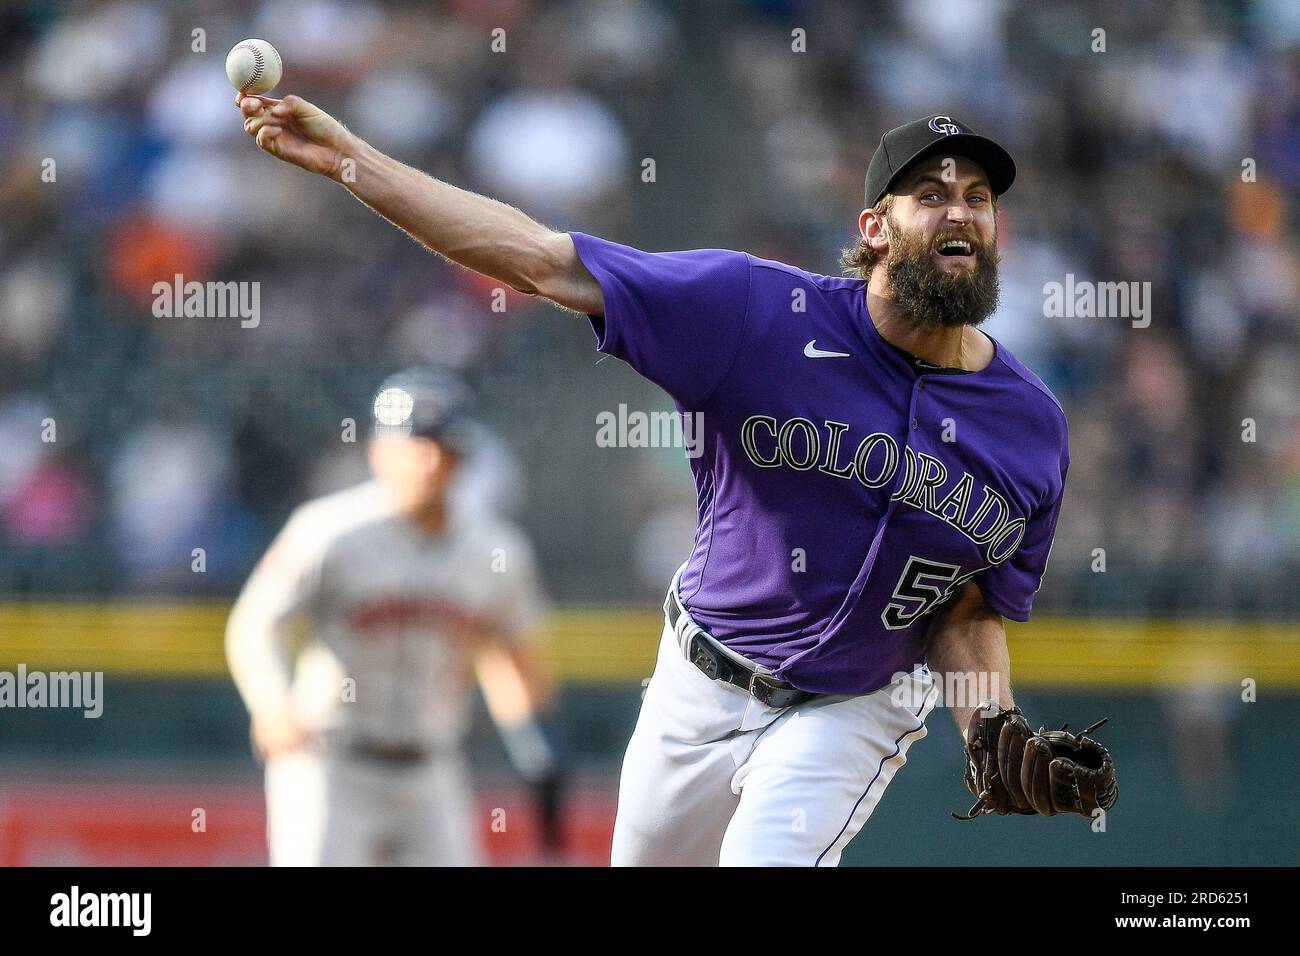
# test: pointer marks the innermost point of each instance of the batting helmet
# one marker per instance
(424, 402)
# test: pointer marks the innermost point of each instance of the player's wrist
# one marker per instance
(358, 166)
(530, 749)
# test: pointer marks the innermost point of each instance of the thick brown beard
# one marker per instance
(932, 296)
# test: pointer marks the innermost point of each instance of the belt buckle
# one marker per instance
(705, 658)
(762, 697)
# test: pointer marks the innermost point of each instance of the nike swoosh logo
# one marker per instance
(812, 351)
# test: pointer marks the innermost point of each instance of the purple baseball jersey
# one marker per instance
(843, 493)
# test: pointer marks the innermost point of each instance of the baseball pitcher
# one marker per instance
(879, 489)
(399, 598)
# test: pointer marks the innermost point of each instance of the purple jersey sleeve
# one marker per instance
(1009, 588)
(675, 317)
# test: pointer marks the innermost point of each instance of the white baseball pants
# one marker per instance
(337, 809)
(713, 777)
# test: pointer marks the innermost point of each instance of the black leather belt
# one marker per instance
(706, 653)
(388, 753)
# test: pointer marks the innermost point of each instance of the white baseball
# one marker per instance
(253, 66)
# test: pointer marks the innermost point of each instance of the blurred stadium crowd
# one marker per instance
(177, 433)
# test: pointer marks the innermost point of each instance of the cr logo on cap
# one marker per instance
(948, 127)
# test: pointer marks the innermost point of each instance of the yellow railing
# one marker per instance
(618, 646)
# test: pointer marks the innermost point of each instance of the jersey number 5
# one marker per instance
(922, 587)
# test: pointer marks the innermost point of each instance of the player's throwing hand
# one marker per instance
(297, 132)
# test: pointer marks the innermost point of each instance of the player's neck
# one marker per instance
(948, 346)
(429, 517)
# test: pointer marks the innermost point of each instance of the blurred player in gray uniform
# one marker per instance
(402, 597)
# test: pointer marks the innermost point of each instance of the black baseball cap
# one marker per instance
(424, 402)
(935, 136)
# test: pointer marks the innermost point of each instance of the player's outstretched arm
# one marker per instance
(480, 233)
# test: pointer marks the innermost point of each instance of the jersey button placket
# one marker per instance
(902, 472)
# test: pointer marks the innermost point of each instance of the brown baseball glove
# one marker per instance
(1011, 769)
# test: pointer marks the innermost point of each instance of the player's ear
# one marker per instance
(874, 230)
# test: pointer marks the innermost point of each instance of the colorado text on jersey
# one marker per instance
(875, 465)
